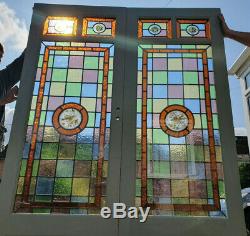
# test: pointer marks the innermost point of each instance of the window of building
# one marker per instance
(247, 78)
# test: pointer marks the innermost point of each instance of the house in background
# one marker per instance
(241, 69)
(242, 147)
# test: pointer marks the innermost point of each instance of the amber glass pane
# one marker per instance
(60, 26)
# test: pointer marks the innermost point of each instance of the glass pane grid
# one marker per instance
(67, 173)
(178, 177)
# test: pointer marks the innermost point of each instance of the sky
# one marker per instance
(15, 19)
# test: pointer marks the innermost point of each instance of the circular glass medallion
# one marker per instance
(99, 28)
(154, 29)
(63, 27)
(60, 27)
(192, 30)
(176, 120)
(70, 118)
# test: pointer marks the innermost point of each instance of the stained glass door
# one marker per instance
(68, 153)
(122, 105)
(178, 155)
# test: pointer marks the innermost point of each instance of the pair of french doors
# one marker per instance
(120, 105)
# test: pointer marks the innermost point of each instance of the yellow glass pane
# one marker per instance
(80, 187)
(60, 26)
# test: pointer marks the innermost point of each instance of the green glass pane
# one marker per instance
(62, 43)
(73, 89)
(23, 168)
(91, 63)
(31, 118)
(62, 186)
(100, 76)
(161, 169)
(212, 92)
(187, 46)
(61, 52)
(215, 122)
(40, 61)
(74, 75)
(57, 89)
(222, 189)
(49, 151)
(209, 189)
(204, 121)
(59, 75)
(35, 168)
(190, 77)
(160, 77)
(110, 77)
(42, 118)
(66, 151)
(138, 187)
(175, 101)
(41, 210)
(195, 153)
(150, 187)
(159, 137)
(84, 152)
(50, 63)
(64, 168)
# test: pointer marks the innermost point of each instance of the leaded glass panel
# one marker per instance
(193, 29)
(65, 159)
(179, 163)
(99, 27)
(154, 28)
(55, 25)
